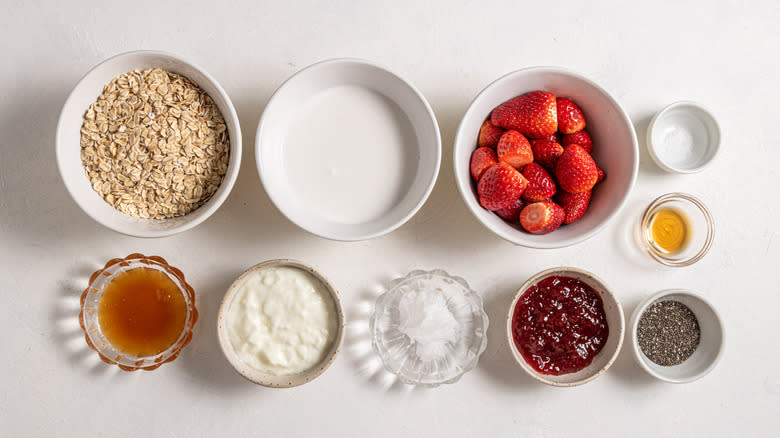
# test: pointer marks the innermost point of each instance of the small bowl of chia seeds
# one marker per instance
(677, 335)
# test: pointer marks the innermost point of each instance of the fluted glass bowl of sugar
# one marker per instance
(429, 328)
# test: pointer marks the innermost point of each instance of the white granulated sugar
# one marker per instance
(428, 322)
(677, 145)
(681, 139)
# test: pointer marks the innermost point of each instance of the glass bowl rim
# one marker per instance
(147, 363)
(470, 294)
(688, 199)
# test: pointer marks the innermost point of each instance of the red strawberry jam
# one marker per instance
(559, 325)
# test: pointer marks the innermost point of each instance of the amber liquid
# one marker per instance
(141, 312)
(671, 230)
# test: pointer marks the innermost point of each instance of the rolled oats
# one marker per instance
(154, 145)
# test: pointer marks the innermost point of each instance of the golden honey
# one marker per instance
(670, 230)
(142, 312)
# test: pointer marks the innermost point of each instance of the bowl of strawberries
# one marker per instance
(545, 157)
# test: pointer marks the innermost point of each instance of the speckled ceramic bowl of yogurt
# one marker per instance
(280, 324)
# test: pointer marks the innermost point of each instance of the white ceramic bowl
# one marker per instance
(71, 169)
(615, 320)
(264, 379)
(710, 348)
(684, 137)
(615, 150)
(421, 152)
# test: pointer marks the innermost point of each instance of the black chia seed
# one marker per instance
(668, 333)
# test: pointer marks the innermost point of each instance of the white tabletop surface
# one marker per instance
(723, 54)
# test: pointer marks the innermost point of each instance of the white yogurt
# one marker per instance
(282, 320)
(349, 154)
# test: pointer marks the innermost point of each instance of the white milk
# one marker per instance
(349, 154)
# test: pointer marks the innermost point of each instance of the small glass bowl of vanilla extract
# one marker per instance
(677, 229)
(138, 312)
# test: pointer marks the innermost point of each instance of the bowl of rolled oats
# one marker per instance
(148, 144)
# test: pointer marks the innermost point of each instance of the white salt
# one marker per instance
(681, 139)
(428, 322)
(677, 145)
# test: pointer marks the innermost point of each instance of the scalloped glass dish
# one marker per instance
(90, 299)
(399, 352)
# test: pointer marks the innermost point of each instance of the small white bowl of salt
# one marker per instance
(683, 137)
(429, 328)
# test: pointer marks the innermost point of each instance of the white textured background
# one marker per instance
(723, 54)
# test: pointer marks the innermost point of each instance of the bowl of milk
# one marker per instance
(348, 150)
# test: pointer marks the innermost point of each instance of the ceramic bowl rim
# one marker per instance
(715, 145)
(432, 121)
(463, 178)
(652, 298)
(213, 203)
(620, 332)
(261, 378)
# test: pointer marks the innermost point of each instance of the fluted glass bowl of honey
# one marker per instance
(138, 312)
(677, 229)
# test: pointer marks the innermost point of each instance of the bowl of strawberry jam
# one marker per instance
(565, 327)
(138, 312)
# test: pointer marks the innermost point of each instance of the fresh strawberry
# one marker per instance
(574, 205)
(489, 135)
(542, 217)
(602, 175)
(546, 153)
(512, 213)
(581, 138)
(481, 159)
(556, 137)
(533, 114)
(570, 116)
(514, 149)
(540, 184)
(575, 170)
(500, 186)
